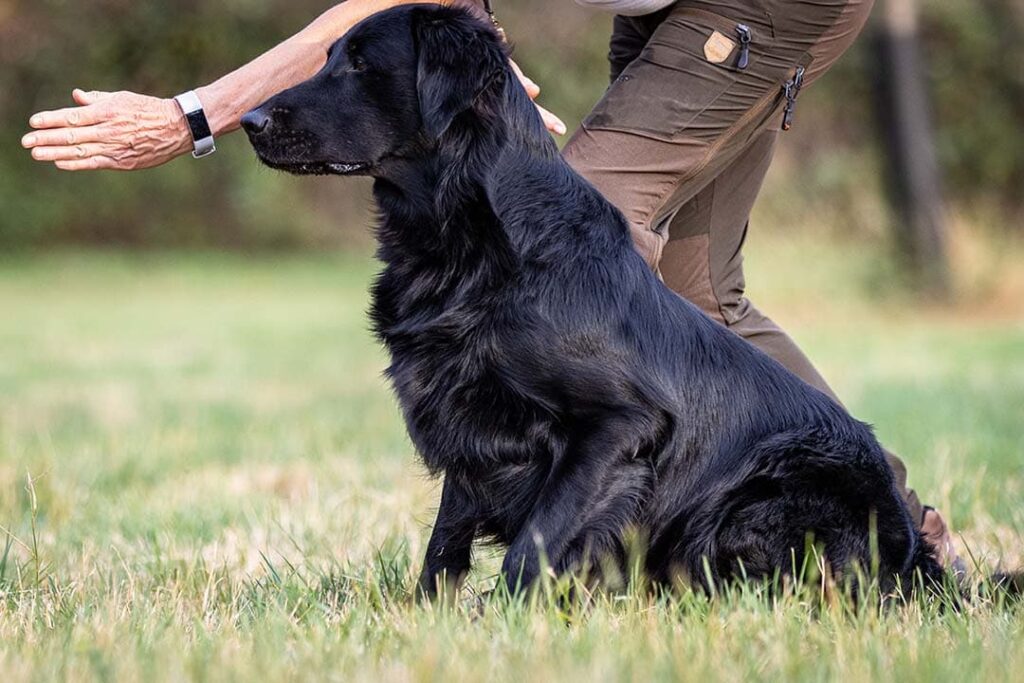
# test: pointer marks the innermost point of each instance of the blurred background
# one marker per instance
(829, 177)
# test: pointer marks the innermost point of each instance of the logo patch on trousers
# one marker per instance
(718, 48)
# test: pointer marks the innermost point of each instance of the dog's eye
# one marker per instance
(357, 63)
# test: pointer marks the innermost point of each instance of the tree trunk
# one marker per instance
(904, 114)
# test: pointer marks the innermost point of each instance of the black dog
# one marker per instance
(566, 395)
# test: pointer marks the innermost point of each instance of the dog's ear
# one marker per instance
(459, 57)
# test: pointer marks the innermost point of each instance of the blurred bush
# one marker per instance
(49, 46)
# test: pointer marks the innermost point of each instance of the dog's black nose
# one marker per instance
(255, 122)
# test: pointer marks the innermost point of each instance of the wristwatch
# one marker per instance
(198, 125)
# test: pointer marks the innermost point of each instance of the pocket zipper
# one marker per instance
(746, 36)
(725, 25)
(791, 89)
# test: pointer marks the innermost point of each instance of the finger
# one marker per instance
(70, 152)
(61, 137)
(91, 164)
(87, 97)
(532, 89)
(552, 122)
(72, 117)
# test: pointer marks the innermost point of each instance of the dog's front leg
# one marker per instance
(449, 551)
(562, 511)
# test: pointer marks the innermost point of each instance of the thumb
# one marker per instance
(85, 98)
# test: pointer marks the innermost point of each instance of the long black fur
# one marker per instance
(564, 393)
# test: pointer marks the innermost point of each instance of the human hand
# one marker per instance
(551, 122)
(123, 131)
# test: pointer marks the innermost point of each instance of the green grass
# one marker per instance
(207, 480)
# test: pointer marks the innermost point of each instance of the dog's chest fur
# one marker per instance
(455, 334)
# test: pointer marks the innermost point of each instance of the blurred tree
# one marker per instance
(976, 68)
(914, 184)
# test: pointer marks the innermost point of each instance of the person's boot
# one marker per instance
(937, 532)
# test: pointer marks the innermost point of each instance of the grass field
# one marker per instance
(204, 478)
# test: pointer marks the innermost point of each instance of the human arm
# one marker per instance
(130, 131)
(632, 8)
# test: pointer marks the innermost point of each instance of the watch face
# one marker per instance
(197, 123)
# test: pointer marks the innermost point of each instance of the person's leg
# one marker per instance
(686, 101)
(687, 97)
(684, 136)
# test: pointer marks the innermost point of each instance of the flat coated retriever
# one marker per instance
(567, 396)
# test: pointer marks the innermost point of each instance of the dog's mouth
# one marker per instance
(347, 169)
(289, 151)
(316, 167)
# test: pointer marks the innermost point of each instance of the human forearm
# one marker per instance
(229, 97)
(287, 64)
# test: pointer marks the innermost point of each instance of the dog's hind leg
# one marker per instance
(755, 519)
(764, 531)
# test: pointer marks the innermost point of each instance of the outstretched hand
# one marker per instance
(125, 131)
(122, 131)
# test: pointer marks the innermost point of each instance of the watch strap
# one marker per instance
(198, 125)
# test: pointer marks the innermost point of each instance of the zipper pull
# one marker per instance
(787, 114)
(745, 34)
(798, 81)
(792, 91)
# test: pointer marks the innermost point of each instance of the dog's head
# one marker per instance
(390, 90)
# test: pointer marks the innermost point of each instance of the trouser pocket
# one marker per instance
(693, 59)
